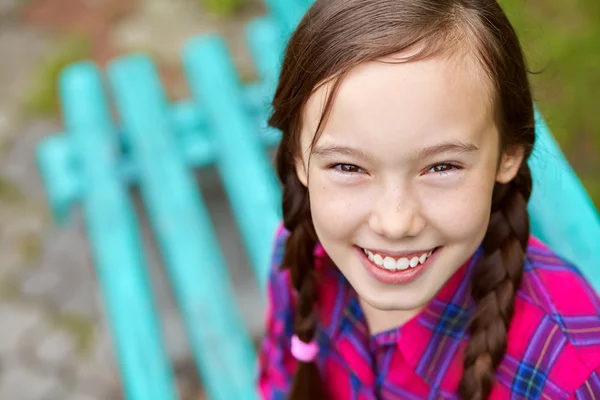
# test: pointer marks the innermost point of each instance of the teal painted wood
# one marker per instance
(265, 42)
(185, 235)
(286, 13)
(60, 177)
(257, 98)
(190, 127)
(248, 177)
(112, 231)
(562, 213)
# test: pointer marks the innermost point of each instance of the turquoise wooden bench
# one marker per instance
(156, 145)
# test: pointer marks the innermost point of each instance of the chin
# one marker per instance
(397, 300)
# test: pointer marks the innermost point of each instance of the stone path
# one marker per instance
(54, 344)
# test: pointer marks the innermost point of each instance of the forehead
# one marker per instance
(409, 104)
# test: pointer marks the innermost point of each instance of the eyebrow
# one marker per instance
(449, 147)
(457, 147)
(333, 150)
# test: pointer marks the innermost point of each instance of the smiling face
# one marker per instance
(404, 167)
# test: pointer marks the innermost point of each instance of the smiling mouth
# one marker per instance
(393, 264)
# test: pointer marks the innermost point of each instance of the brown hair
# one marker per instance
(336, 36)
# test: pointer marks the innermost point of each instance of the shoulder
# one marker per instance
(279, 274)
(559, 289)
(331, 285)
(555, 331)
(281, 235)
(279, 277)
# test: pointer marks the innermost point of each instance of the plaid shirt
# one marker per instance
(553, 341)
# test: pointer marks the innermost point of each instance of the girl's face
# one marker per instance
(404, 168)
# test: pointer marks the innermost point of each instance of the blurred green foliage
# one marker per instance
(223, 7)
(561, 39)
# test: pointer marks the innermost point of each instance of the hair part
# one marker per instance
(334, 37)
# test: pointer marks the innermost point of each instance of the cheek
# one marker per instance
(336, 210)
(463, 211)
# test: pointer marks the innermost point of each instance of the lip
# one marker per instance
(395, 277)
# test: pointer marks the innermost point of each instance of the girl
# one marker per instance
(404, 268)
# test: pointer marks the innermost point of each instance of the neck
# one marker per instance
(383, 320)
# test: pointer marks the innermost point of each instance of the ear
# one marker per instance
(510, 162)
(301, 171)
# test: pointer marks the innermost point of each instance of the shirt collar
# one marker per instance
(443, 323)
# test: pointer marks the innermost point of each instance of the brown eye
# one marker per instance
(348, 168)
(442, 168)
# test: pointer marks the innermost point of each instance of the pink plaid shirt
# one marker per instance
(553, 342)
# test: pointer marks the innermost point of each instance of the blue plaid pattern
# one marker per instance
(529, 381)
(453, 321)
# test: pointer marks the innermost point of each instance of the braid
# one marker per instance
(496, 279)
(307, 383)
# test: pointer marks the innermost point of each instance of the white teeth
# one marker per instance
(402, 263)
(392, 264)
(389, 263)
(378, 260)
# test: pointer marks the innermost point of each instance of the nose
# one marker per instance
(396, 214)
